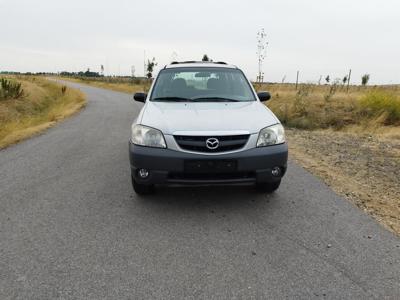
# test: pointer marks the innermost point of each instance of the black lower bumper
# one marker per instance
(167, 166)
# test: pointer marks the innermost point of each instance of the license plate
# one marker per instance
(210, 166)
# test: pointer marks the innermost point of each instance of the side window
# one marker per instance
(163, 82)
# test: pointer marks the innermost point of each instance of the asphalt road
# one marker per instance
(72, 227)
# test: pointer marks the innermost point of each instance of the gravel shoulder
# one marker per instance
(363, 168)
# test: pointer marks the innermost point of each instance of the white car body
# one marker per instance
(212, 137)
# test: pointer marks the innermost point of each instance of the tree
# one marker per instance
(327, 79)
(174, 56)
(102, 70)
(365, 79)
(150, 67)
(89, 73)
(205, 58)
(262, 44)
(344, 80)
(133, 69)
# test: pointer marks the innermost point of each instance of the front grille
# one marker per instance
(198, 143)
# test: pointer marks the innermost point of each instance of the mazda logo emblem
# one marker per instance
(212, 143)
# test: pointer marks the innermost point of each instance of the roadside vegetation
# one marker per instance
(30, 104)
(119, 84)
(350, 139)
(124, 84)
(10, 89)
(332, 106)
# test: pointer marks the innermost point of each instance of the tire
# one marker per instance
(142, 189)
(268, 187)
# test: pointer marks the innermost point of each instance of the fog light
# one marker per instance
(276, 171)
(143, 173)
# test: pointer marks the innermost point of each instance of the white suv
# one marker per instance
(203, 123)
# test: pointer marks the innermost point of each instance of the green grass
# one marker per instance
(382, 105)
(10, 89)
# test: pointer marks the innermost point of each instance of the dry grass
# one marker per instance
(319, 107)
(124, 87)
(43, 105)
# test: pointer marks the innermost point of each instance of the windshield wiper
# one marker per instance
(172, 99)
(213, 99)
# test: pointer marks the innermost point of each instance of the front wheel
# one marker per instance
(142, 189)
(268, 187)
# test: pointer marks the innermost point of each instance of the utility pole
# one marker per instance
(297, 79)
(348, 81)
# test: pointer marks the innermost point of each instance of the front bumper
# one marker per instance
(167, 166)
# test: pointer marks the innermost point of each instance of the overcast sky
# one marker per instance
(317, 37)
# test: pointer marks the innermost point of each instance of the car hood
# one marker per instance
(202, 117)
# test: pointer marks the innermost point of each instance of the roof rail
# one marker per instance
(198, 62)
(184, 62)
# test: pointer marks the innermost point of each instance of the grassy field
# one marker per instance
(350, 139)
(42, 104)
(118, 85)
(331, 106)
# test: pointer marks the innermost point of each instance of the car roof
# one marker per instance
(205, 64)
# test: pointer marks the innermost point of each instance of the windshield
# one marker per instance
(202, 85)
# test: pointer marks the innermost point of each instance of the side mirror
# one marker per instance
(140, 97)
(264, 96)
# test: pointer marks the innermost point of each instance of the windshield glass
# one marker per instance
(202, 85)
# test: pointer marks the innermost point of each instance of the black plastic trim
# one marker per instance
(163, 162)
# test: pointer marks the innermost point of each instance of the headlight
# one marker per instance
(147, 136)
(271, 135)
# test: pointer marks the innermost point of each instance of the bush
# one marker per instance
(381, 104)
(10, 89)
